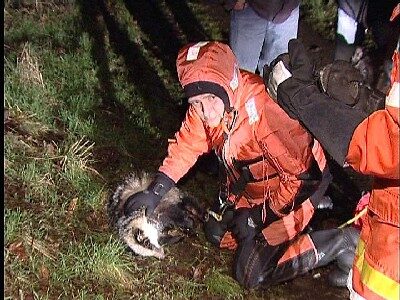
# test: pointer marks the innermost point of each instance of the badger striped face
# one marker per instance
(141, 234)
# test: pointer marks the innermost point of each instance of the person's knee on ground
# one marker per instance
(265, 265)
(253, 261)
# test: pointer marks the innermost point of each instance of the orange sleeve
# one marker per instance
(374, 147)
(190, 142)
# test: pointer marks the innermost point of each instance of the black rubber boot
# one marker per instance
(338, 277)
(331, 245)
(337, 245)
(256, 262)
(344, 261)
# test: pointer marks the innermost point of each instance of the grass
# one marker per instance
(223, 285)
(17, 221)
(91, 94)
(321, 15)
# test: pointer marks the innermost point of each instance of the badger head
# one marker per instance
(146, 235)
(141, 234)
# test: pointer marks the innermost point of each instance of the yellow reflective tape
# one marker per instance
(376, 281)
(360, 253)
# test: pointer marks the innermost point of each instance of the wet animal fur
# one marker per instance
(362, 62)
(174, 217)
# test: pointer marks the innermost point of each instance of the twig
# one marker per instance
(356, 217)
(39, 246)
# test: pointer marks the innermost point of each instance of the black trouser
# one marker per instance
(260, 264)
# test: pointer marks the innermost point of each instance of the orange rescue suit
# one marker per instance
(374, 150)
(254, 129)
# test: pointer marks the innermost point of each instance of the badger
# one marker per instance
(175, 217)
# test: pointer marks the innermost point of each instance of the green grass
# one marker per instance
(90, 97)
(91, 260)
(321, 15)
(223, 285)
(16, 221)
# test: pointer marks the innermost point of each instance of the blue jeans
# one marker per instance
(257, 41)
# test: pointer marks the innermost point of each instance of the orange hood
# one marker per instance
(209, 67)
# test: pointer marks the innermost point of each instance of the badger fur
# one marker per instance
(173, 218)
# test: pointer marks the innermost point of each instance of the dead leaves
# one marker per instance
(71, 208)
(28, 67)
(199, 272)
(44, 277)
(18, 249)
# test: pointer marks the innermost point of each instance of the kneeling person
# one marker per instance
(275, 173)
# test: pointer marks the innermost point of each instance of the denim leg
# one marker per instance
(246, 37)
(277, 38)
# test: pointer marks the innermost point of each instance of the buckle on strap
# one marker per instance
(218, 216)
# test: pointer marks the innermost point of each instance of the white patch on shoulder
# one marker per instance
(235, 81)
(251, 111)
(194, 50)
(393, 98)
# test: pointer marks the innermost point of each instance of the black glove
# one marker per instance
(150, 197)
(302, 78)
(332, 123)
(341, 81)
(344, 83)
(246, 223)
(284, 67)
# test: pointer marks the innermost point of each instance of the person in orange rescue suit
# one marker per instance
(275, 173)
(367, 143)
